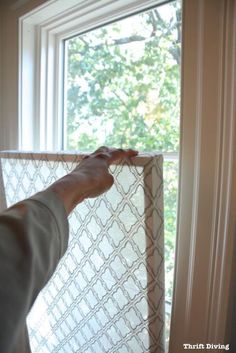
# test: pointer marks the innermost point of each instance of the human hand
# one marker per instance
(94, 169)
(90, 178)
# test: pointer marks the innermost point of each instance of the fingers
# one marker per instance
(110, 181)
(120, 154)
(117, 154)
(113, 154)
(102, 149)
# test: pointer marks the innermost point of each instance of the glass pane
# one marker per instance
(170, 174)
(122, 83)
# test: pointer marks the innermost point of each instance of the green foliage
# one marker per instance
(123, 89)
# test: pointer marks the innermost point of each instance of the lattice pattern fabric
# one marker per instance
(107, 294)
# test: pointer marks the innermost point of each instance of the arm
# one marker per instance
(90, 179)
(34, 236)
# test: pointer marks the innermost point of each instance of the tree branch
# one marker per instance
(120, 99)
(155, 20)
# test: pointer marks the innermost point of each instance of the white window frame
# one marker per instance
(207, 197)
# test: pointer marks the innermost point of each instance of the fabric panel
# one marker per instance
(107, 294)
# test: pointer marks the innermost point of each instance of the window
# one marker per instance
(205, 222)
(121, 88)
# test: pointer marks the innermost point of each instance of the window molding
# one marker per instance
(207, 202)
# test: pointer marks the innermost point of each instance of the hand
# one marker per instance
(90, 178)
(94, 169)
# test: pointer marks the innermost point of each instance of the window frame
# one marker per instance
(207, 196)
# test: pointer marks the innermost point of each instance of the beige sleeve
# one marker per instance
(33, 238)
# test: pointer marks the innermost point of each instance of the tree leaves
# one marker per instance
(115, 59)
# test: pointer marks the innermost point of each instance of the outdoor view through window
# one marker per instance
(122, 89)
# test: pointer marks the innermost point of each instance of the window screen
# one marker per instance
(107, 294)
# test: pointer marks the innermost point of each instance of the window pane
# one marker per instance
(122, 83)
(170, 207)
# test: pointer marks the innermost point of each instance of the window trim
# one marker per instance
(204, 207)
(204, 267)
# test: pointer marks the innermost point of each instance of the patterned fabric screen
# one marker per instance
(107, 294)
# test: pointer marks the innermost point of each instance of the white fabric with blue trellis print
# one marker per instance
(107, 294)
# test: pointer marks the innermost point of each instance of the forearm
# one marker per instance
(70, 190)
